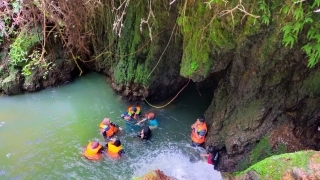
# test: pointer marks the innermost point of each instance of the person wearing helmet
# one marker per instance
(108, 128)
(132, 113)
(150, 118)
(199, 131)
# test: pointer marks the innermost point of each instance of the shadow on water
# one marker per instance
(43, 135)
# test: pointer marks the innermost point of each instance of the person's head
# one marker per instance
(151, 115)
(146, 130)
(201, 119)
(210, 149)
(117, 143)
(134, 109)
(106, 121)
(94, 144)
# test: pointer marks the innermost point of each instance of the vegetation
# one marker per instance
(222, 25)
(275, 167)
(261, 151)
(225, 23)
(302, 16)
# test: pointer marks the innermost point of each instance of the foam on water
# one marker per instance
(177, 161)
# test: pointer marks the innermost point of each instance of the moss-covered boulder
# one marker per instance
(290, 166)
(12, 84)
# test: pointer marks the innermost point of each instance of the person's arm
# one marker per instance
(193, 126)
(121, 152)
(117, 126)
(143, 120)
(204, 155)
(136, 116)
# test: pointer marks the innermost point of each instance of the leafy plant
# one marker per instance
(303, 17)
(265, 11)
(20, 47)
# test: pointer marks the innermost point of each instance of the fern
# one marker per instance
(289, 40)
(303, 16)
(266, 14)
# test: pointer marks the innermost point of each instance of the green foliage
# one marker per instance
(274, 167)
(303, 17)
(201, 38)
(265, 11)
(35, 62)
(194, 65)
(20, 48)
(260, 152)
(7, 28)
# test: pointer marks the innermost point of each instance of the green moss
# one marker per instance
(274, 167)
(248, 116)
(312, 84)
(213, 34)
(261, 151)
(136, 51)
(22, 46)
(197, 46)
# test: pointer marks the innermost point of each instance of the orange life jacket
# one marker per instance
(91, 153)
(113, 151)
(195, 132)
(130, 112)
(111, 131)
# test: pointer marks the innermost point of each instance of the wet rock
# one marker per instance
(155, 175)
(12, 84)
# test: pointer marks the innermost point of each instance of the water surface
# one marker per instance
(42, 135)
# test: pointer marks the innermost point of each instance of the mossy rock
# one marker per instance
(302, 164)
(11, 84)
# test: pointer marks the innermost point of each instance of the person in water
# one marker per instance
(145, 133)
(93, 150)
(131, 114)
(150, 118)
(108, 128)
(212, 155)
(198, 131)
(114, 148)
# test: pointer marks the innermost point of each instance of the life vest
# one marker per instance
(91, 153)
(130, 112)
(110, 130)
(196, 131)
(113, 151)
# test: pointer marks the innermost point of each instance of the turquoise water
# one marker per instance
(42, 135)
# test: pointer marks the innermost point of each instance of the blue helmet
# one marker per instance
(134, 109)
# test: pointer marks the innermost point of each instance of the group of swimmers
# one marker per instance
(108, 129)
(114, 148)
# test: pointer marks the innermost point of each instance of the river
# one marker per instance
(42, 134)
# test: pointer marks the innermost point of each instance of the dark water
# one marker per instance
(42, 135)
